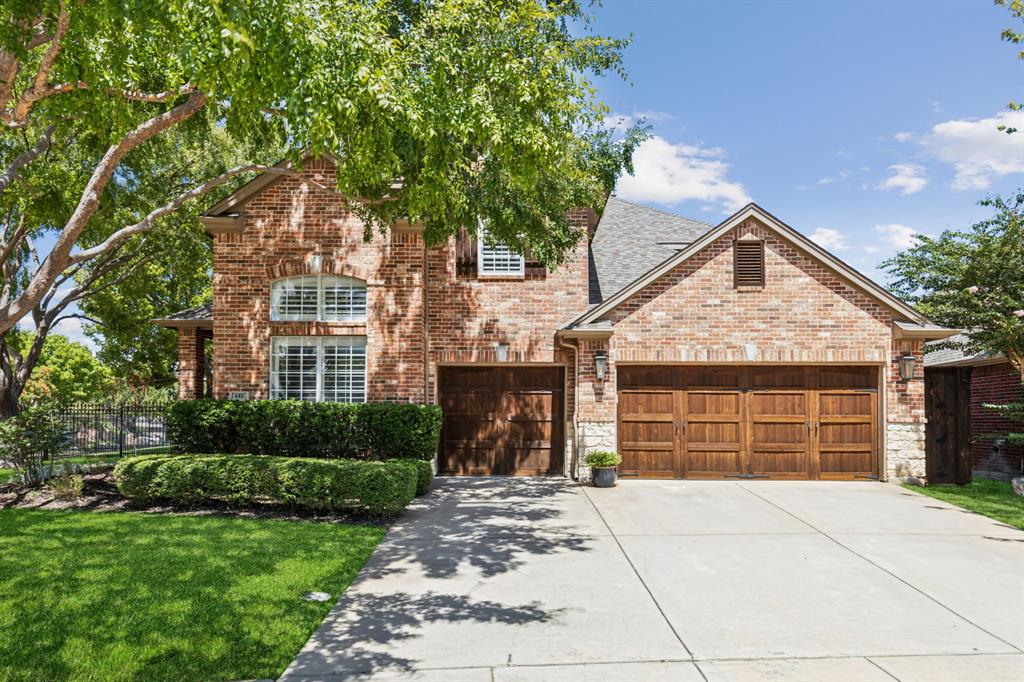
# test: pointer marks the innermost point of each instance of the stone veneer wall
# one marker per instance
(904, 450)
(594, 436)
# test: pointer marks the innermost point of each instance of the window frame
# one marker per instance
(358, 314)
(481, 243)
(319, 343)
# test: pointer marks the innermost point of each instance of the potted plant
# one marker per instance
(603, 467)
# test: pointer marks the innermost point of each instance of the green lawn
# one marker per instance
(133, 596)
(994, 499)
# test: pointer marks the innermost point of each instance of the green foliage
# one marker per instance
(68, 487)
(602, 459)
(376, 488)
(66, 371)
(424, 473)
(1016, 37)
(30, 438)
(972, 280)
(295, 428)
(1014, 412)
(138, 596)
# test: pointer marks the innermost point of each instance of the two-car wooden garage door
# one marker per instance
(502, 420)
(739, 421)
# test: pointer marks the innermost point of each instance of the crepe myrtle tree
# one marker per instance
(972, 280)
(444, 113)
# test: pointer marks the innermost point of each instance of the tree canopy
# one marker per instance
(67, 372)
(972, 280)
(443, 113)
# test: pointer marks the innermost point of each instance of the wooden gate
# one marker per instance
(947, 405)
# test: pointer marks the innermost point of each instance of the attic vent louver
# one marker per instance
(748, 263)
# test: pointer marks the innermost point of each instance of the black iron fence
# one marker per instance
(105, 432)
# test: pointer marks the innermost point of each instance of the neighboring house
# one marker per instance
(741, 349)
(958, 385)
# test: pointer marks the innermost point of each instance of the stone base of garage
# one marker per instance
(593, 436)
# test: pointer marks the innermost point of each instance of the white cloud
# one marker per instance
(906, 177)
(978, 151)
(619, 122)
(830, 239)
(903, 137)
(669, 173)
(842, 175)
(895, 235)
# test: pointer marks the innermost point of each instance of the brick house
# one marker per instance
(700, 351)
(957, 386)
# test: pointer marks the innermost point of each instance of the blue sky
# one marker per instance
(859, 123)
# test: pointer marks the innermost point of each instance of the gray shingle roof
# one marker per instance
(630, 240)
(199, 314)
(954, 357)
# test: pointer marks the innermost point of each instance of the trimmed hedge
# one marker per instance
(376, 488)
(296, 428)
(424, 474)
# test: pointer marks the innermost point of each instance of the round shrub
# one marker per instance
(602, 459)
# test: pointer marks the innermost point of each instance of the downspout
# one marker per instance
(426, 324)
(574, 461)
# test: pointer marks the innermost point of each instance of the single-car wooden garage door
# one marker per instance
(502, 420)
(788, 422)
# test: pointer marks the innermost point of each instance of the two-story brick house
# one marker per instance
(700, 351)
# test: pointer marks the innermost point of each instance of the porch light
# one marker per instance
(906, 364)
(501, 351)
(600, 363)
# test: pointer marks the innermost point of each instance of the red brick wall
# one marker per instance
(804, 314)
(289, 223)
(994, 384)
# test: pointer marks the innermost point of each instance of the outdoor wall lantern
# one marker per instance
(501, 351)
(600, 363)
(906, 364)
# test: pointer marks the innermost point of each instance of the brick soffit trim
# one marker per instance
(785, 231)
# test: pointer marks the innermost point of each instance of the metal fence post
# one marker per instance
(120, 433)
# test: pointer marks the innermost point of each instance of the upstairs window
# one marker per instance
(495, 259)
(748, 263)
(324, 298)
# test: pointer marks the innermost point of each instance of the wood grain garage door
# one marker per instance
(502, 420)
(784, 422)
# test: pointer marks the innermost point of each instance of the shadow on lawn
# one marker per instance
(145, 597)
(492, 525)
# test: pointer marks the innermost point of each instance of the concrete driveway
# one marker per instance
(538, 579)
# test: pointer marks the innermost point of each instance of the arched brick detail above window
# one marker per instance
(317, 264)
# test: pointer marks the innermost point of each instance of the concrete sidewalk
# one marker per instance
(539, 579)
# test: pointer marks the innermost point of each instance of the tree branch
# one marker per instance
(18, 116)
(25, 158)
(59, 258)
(147, 223)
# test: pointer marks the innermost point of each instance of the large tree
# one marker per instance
(442, 112)
(972, 280)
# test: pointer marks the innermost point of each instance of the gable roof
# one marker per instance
(631, 238)
(753, 211)
(955, 357)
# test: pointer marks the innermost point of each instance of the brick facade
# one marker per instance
(424, 312)
(994, 384)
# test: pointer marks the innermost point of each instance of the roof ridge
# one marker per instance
(661, 210)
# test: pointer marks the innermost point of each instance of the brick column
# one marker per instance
(191, 363)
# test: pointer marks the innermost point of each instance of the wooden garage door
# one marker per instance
(781, 422)
(502, 420)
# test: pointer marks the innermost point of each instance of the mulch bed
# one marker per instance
(100, 493)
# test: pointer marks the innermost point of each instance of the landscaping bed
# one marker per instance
(994, 499)
(119, 596)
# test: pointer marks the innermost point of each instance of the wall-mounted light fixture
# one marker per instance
(906, 363)
(501, 352)
(600, 363)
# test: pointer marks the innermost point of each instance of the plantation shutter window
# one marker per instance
(748, 263)
(318, 368)
(497, 259)
(324, 298)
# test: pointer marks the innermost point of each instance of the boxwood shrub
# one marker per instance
(374, 488)
(424, 473)
(296, 428)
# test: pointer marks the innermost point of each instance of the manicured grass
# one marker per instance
(6, 475)
(133, 596)
(994, 499)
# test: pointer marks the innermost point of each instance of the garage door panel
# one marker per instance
(501, 420)
(776, 421)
